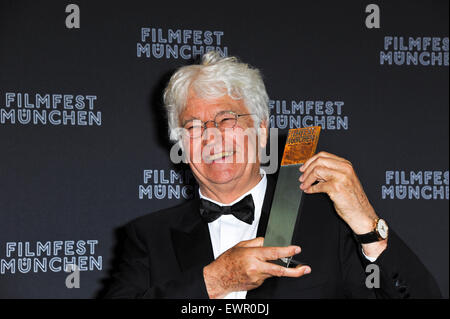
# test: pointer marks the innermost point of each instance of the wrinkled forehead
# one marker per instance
(206, 108)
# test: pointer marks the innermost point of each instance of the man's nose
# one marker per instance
(209, 124)
(211, 134)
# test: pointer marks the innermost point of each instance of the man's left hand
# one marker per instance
(336, 177)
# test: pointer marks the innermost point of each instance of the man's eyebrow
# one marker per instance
(189, 120)
(195, 118)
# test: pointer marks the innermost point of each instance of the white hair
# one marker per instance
(214, 77)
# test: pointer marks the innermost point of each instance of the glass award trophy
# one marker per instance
(300, 145)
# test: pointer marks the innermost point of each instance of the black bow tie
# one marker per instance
(243, 210)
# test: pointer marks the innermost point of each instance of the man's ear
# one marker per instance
(263, 134)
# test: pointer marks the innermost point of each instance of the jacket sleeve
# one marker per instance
(132, 280)
(401, 274)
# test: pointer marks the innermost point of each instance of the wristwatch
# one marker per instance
(380, 232)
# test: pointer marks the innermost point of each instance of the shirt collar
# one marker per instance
(257, 192)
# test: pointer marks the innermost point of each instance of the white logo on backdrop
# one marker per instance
(159, 43)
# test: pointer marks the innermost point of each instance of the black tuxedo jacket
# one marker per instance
(165, 252)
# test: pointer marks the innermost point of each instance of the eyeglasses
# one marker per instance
(223, 120)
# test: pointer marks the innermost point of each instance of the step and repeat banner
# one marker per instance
(84, 145)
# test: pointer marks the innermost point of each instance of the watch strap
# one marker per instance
(367, 238)
(371, 237)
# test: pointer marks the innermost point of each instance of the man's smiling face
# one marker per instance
(220, 156)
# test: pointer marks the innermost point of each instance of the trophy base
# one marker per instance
(285, 262)
(288, 262)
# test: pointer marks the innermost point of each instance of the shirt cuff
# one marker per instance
(371, 259)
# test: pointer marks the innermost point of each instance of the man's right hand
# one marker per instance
(246, 266)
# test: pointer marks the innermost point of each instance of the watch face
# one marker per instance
(382, 229)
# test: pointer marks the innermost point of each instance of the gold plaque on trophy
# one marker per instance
(301, 144)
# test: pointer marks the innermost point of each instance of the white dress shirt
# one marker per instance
(226, 231)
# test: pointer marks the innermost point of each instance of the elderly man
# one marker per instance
(212, 246)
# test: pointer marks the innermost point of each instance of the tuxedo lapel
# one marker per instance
(191, 240)
(267, 204)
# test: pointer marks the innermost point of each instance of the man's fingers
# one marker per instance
(332, 163)
(321, 155)
(324, 187)
(274, 253)
(274, 270)
(256, 242)
(321, 174)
